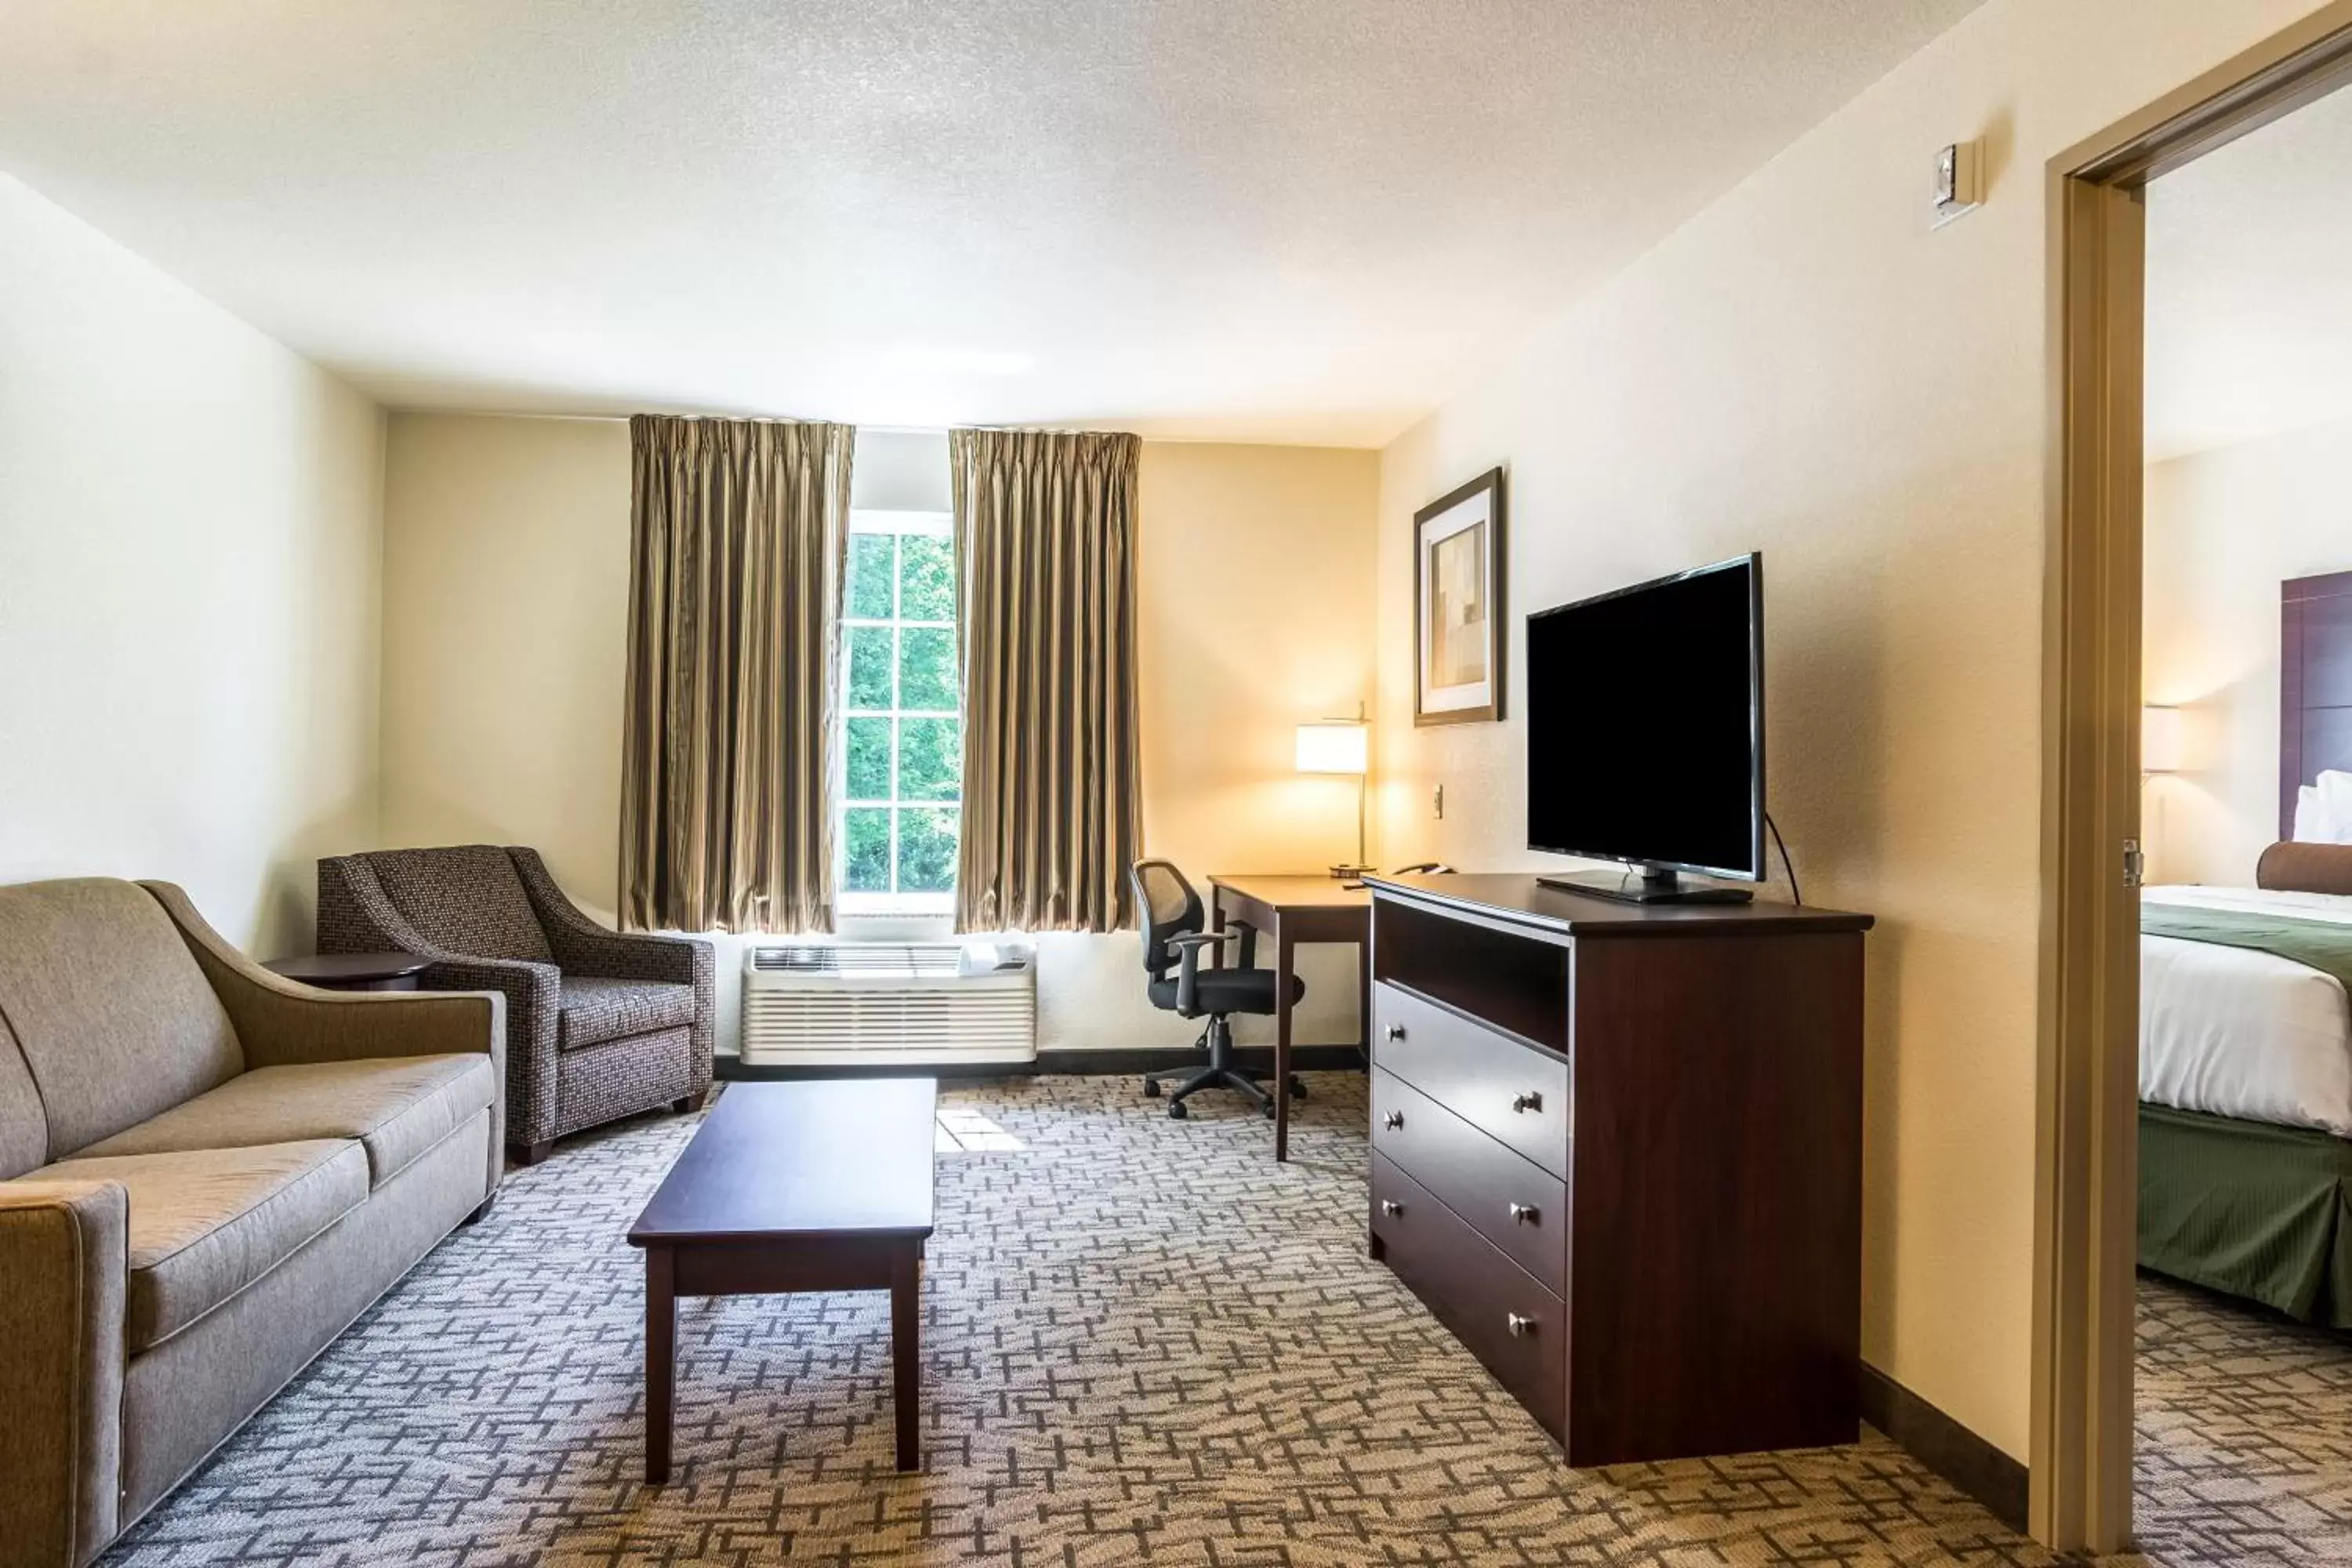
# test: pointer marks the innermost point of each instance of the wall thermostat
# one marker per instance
(1959, 180)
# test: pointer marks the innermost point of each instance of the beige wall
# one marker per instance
(2225, 527)
(189, 531)
(506, 580)
(1806, 369)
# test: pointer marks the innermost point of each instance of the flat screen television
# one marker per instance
(1646, 734)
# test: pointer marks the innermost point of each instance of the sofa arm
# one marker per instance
(64, 1259)
(280, 1021)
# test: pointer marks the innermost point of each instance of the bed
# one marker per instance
(2245, 1121)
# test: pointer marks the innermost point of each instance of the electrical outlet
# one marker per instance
(1437, 803)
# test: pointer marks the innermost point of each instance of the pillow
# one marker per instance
(2323, 812)
(2301, 868)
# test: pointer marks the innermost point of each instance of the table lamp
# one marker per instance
(1340, 746)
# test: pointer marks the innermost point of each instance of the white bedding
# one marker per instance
(2233, 1032)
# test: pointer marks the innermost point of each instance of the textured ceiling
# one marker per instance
(2250, 286)
(1256, 219)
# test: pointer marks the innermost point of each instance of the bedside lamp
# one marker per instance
(2159, 740)
(1340, 746)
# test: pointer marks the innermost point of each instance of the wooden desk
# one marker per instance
(1289, 911)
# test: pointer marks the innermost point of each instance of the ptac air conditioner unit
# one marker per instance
(869, 1004)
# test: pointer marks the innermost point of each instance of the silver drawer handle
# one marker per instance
(1391, 1206)
(1523, 1213)
(1392, 1121)
(1520, 1324)
(1395, 1031)
(1531, 1100)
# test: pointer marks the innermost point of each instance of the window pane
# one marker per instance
(926, 849)
(869, 759)
(931, 759)
(868, 594)
(927, 671)
(926, 578)
(867, 864)
(870, 667)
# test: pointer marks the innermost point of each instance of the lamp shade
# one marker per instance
(1337, 747)
(2159, 739)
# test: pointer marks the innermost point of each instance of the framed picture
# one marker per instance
(1458, 605)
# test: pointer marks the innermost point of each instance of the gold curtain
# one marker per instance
(1045, 575)
(739, 534)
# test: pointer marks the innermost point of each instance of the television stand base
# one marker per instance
(1649, 887)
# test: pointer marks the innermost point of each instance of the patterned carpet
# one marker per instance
(1147, 1343)
(2245, 1434)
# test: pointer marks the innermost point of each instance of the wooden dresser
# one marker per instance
(1618, 1152)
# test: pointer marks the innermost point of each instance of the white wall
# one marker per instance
(1805, 368)
(506, 586)
(190, 522)
(2225, 528)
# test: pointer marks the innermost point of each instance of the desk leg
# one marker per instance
(1282, 961)
(661, 1358)
(906, 1354)
(1364, 994)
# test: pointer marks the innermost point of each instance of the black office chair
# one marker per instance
(1174, 938)
(1431, 867)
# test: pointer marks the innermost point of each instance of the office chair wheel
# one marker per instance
(1268, 1108)
(1151, 1089)
(1298, 1089)
(1176, 1111)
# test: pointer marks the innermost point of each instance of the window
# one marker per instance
(902, 741)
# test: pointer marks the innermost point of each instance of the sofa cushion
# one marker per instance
(205, 1224)
(24, 1126)
(470, 900)
(591, 1011)
(397, 1107)
(115, 1020)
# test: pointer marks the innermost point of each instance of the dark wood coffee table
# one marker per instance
(822, 1185)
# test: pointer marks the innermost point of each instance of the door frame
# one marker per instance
(2086, 1131)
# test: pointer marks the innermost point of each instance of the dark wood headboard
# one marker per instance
(2315, 684)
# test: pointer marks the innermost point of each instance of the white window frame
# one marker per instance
(935, 524)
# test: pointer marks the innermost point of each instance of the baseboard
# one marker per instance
(1123, 1061)
(1944, 1445)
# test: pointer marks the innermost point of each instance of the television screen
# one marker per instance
(1645, 723)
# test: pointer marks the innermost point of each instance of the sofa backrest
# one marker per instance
(113, 1021)
(24, 1131)
(469, 899)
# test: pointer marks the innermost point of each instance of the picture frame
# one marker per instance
(1458, 564)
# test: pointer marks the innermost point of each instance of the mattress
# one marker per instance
(2232, 1032)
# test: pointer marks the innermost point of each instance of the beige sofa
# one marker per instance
(206, 1172)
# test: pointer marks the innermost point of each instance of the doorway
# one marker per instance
(2087, 1135)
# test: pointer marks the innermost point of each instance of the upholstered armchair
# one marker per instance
(599, 1024)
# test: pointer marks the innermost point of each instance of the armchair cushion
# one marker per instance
(397, 1107)
(593, 1010)
(205, 1224)
(467, 899)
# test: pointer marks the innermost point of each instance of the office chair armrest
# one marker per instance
(1188, 946)
(1249, 942)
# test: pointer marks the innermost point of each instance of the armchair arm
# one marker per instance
(64, 1263)
(1188, 947)
(581, 946)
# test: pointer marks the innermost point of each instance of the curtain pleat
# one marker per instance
(740, 531)
(1045, 571)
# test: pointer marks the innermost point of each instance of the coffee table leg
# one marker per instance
(661, 1358)
(906, 1354)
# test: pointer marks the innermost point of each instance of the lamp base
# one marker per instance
(1348, 873)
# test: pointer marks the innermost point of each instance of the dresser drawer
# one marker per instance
(1508, 1199)
(1513, 1325)
(1510, 1091)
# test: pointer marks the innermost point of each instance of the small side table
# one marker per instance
(353, 971)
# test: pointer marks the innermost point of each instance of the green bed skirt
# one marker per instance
(2249, 1209)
